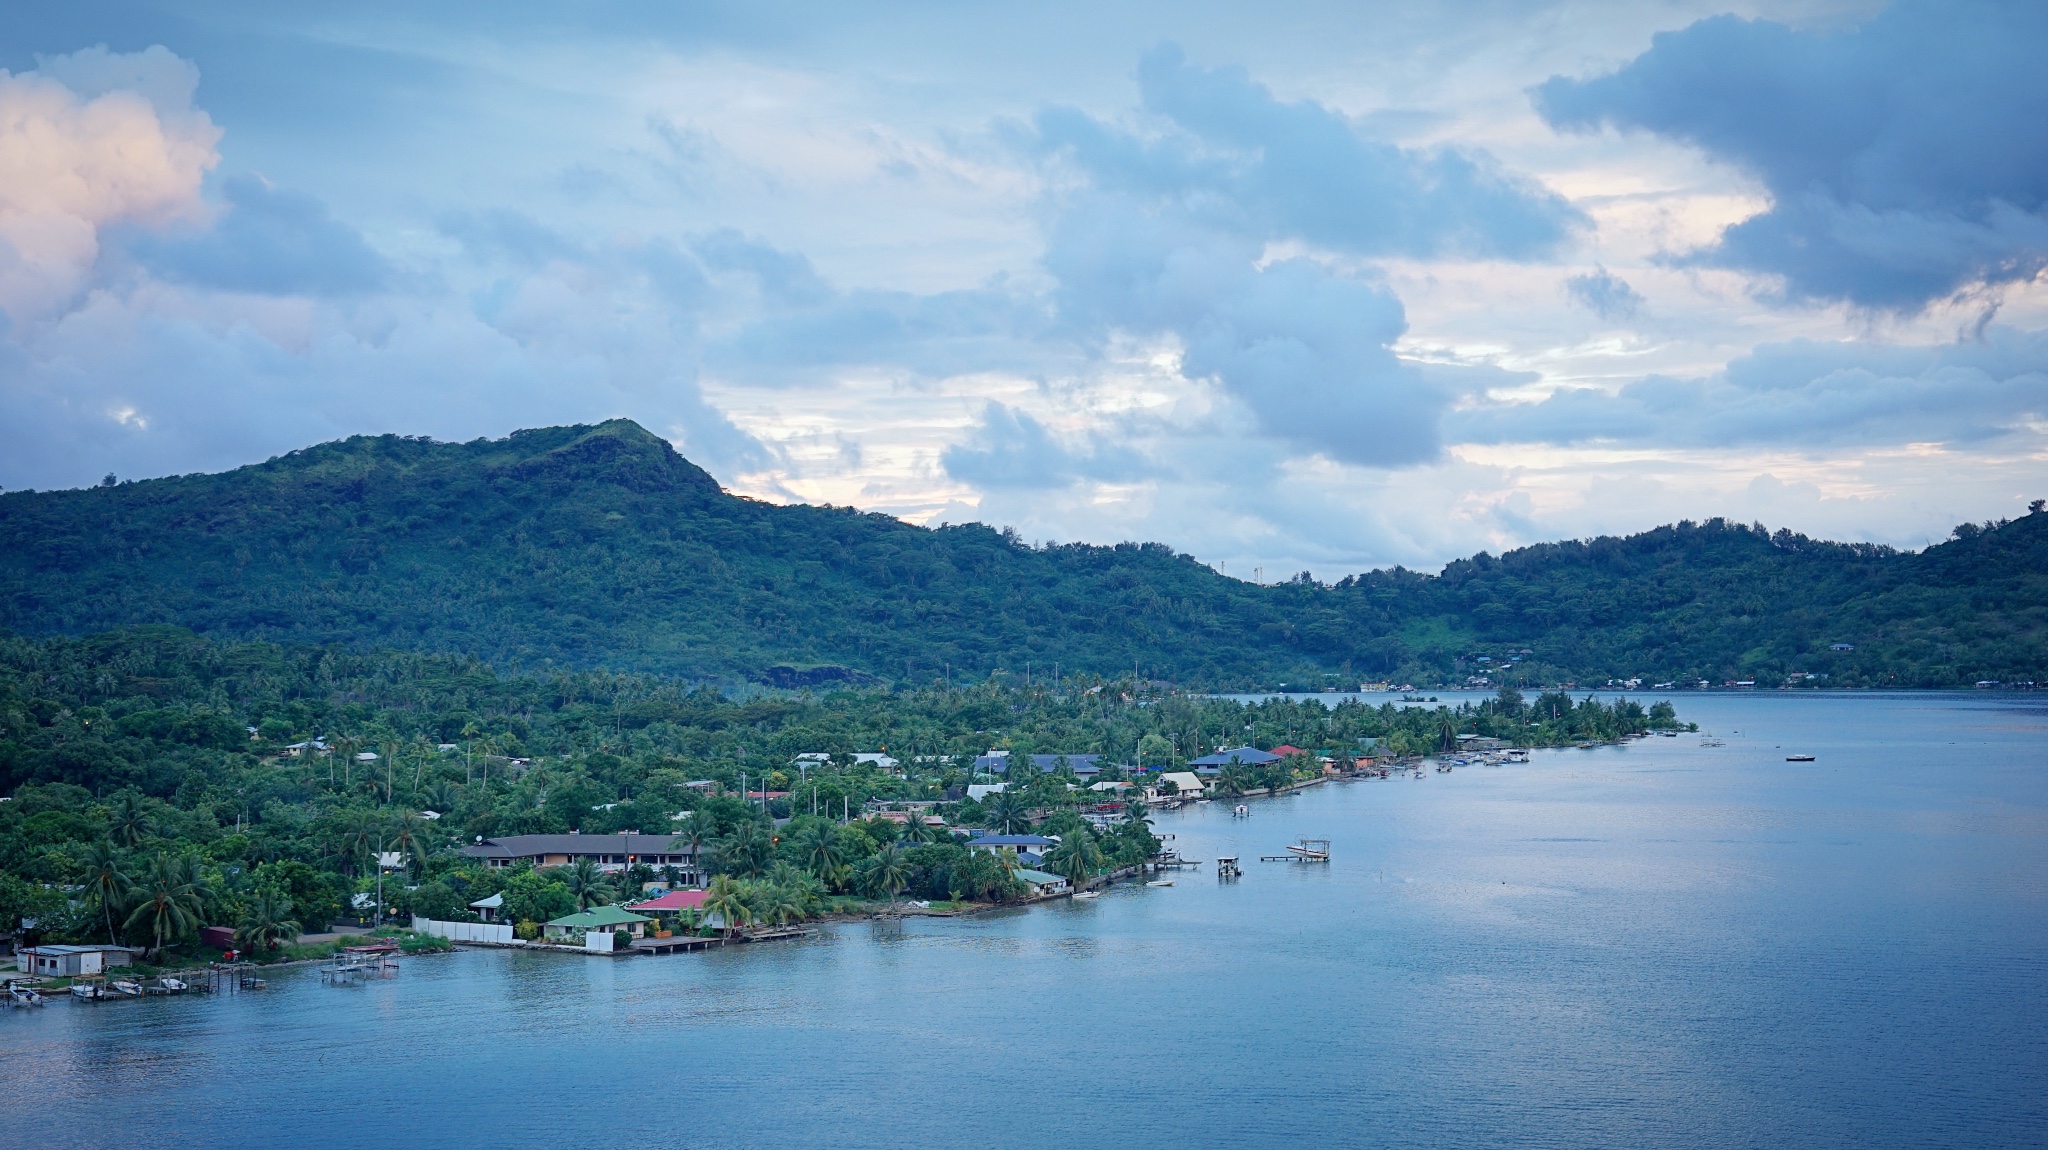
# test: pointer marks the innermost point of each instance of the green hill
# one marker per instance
(600, 547)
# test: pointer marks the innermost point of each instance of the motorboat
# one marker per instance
(1798, 758)
(89, 991)
(174, 985)
(126, 986)
(1088, 894)
(21, 992)
(1160, 882)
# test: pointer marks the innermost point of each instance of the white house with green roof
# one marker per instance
(605, 918)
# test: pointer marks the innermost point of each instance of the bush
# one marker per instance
(622, 940)
(527, 929)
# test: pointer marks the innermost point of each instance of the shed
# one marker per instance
(69, 961)
(1042, 883)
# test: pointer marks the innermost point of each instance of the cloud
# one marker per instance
(1010, 449)
(1903, 158)
(1604, 294)
(1240, 159)
(1171, 236)
(87, 141)
(1800, 393)
(269, 241)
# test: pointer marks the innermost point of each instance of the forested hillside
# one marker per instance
(600, 547)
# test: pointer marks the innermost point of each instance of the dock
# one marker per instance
(1306, 851)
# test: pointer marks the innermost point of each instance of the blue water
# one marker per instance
(1662, 944)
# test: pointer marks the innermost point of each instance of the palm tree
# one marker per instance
(1230, 781)
(1136, 812)
(691, 837)
(1075, 858)
(129, 822)
(172, 900)
(746, 851)
(819, 848)
(588, 883)
(1008, 813)
(265, 925)
(359, 836)
(915, 829)
(409, 836)
(886, 872)
(443, 796)
(728, 900)
(107, 886)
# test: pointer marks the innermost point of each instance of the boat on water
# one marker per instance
(1088, 894)
(126, 986)
(22, 992)
(88, 990)
(1160, 882)
(173, 985)
(1798, 758)
(1241, 811)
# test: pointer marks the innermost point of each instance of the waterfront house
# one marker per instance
(69, 961)
(674, 902)
(1019, 845)
(1042, 883)
(596, 918)
(1190, 784)
(610, 852)
(1243, 756)
(487, 907)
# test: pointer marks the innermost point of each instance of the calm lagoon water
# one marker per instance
(1662, 944)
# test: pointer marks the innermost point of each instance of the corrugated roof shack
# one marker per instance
(69, 961)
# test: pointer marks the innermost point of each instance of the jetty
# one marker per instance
(1306, 851)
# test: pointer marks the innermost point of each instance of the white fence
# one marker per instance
(464, 931)
(598, 940)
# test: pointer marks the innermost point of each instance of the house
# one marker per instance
(1285, 749)
(674, 902)
(1117, 788)
(1481, 743)
(874, 759)
(1019, 845)
(1242, 756)
(998, 762)
(596, 918)
(1189, 783)
(1041, 883)
(487, 907)
(310, 745)
(980, 791)
(933, 821)
(69, 961)
(611, 852)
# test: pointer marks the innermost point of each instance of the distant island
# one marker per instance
(600, 547)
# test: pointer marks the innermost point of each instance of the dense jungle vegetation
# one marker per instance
(151, 789)
(599, 547)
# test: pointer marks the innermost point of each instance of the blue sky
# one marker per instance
(1294, 286)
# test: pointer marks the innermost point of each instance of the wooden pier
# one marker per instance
(1305, 851)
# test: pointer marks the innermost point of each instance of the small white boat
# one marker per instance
(88, 991)
(1798, 758)
(24, 995)
(126, 986)
(1160, 882)
(174, 985)
(1088, 894)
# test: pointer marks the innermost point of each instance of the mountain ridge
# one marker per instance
(600, 546)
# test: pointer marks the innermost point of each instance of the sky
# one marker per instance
(1290, 286)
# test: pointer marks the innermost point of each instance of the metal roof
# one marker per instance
(526, 846)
